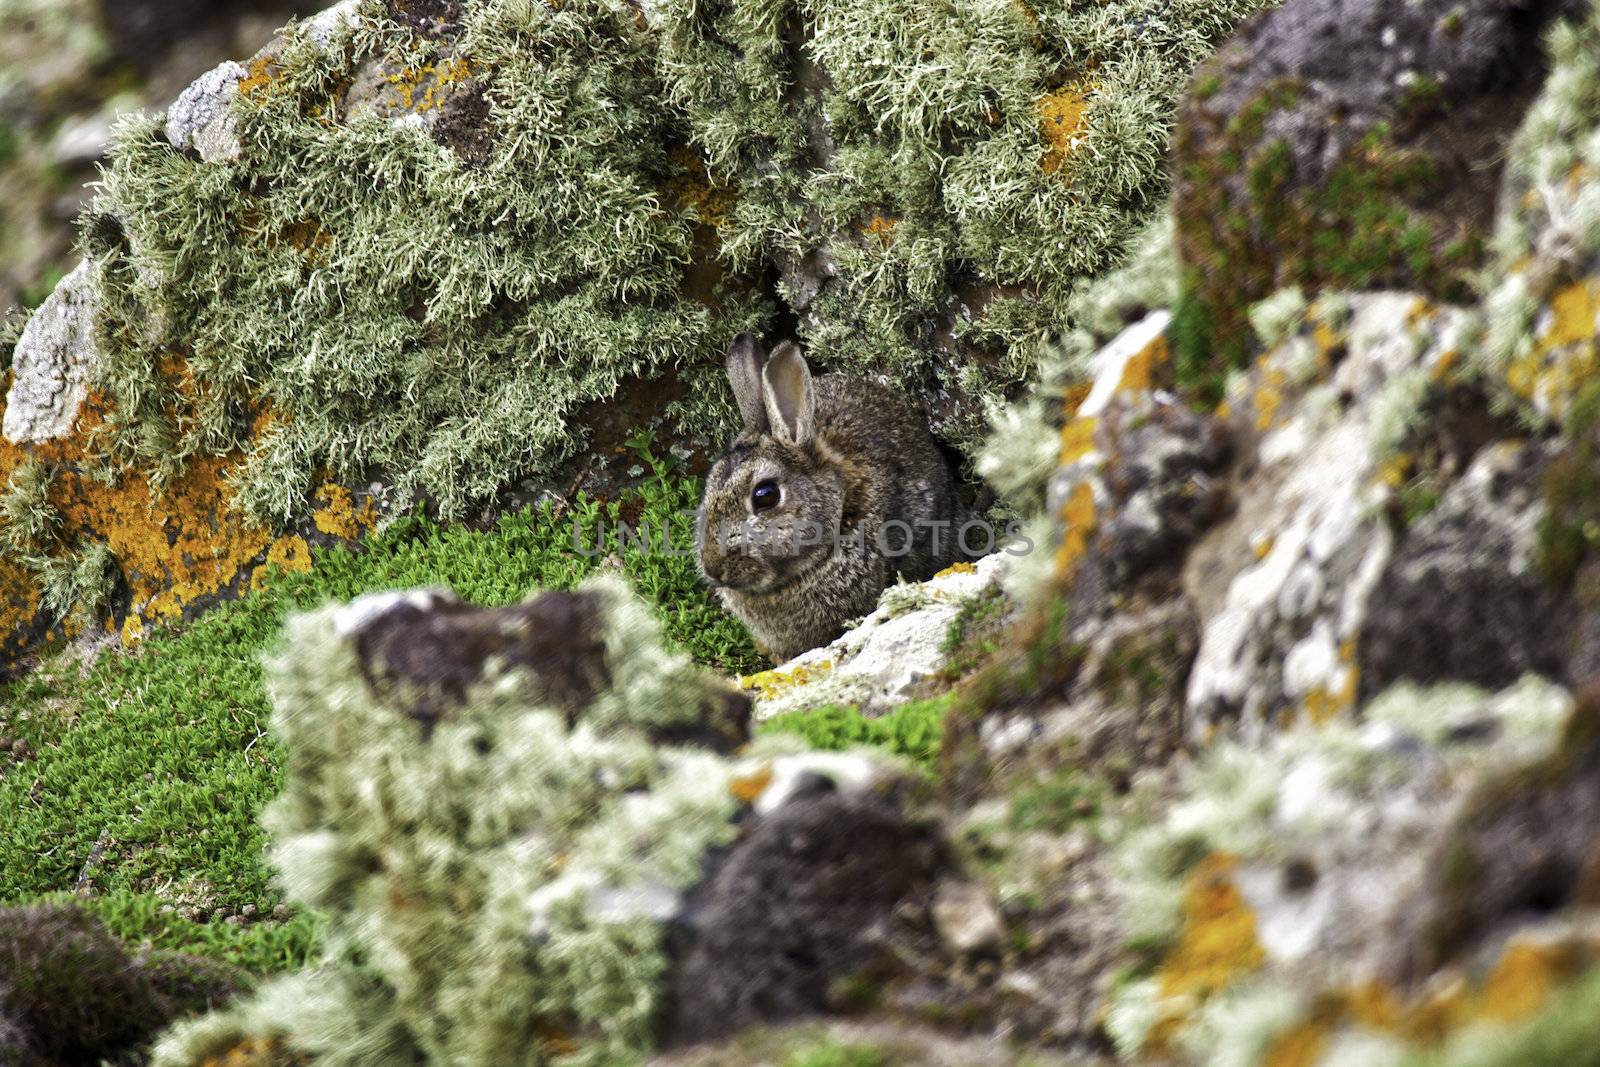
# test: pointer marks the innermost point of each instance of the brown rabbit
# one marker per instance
(832, 491)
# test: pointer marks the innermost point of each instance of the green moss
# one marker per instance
(1355, 229)
(152, 769)
(914, 730)
(836, 1054)
(1057, 804)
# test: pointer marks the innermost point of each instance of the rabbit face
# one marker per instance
(769, 515)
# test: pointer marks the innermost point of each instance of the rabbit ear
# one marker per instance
(791, 402)
(745, 357)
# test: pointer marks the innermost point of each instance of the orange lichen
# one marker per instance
(881, 227)
(746, 789)
(289, 553)
(1218, 944)
(1077, 523)
(1394, 471)
(1063, 119)
(256, 1052)
(1576, 312)
(1324, 702)
(338, 515)
(1301, 1045)
(958, 568)
(426, 88)
(261, 73)
(1269, 393)
(1139, 373)
(1521, 983)
(1077, 439)
(1567, 356)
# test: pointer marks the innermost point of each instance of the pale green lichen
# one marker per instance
(394, 304)
(1551, 207)
(493, 890)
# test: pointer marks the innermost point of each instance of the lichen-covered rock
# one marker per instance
(1464, 596)
(53, 362)
(540, 225)
(529, 850)
(1284, 588)
(1349, 145)
(894, 652)
(1290, 874)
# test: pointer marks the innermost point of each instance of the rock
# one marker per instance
(883, 660)
(803, 902)
(1285, 587)
(1350, 144)
(966, 919)
(82, 139)
(70, 993)
(202, 118)
(1464, 596)
(53, 362)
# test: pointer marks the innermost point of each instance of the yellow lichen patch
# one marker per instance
(881, 227)
(774, 683)
(1326, 340)
(256, 1052)
(1567, 357)
(1138, 374)
(1268, 397)
(176, 545)
(958, 568)
(1077, 439)
(1063, 122)
(1073, 398)
(426, 88)
(1523, 979)
(337, 514)
(1394, 471)
(1261, 545)
(1576, 311)
(747, 788)
(1301, 1045)
(1445, 366)
(258, 79)
(289, 553)
(1077, 523)
(19, 599)
(1325, 702)
(1218, 944)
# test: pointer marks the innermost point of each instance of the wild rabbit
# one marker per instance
(833, 489)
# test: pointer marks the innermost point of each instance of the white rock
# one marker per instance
(966, 918)
(203, 119)
(53, 362)
(878, 664)
(1112, 360)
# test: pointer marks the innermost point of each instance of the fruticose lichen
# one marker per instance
(497, 875)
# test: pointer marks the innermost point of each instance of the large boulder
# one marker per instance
(1350, 145)
(467, 252)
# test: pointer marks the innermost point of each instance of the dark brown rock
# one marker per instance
(804, 901)
(1352, 144)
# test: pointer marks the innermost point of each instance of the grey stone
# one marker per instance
(53, 362)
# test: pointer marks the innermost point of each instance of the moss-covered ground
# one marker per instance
(147, 772)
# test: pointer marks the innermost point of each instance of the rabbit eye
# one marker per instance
(765, 495)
